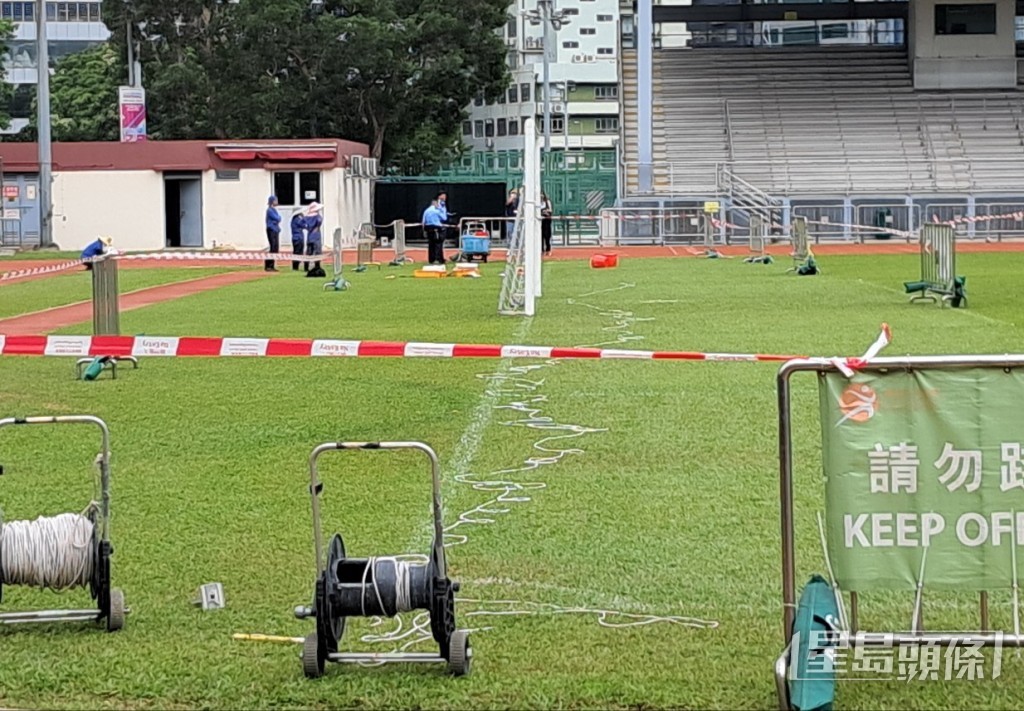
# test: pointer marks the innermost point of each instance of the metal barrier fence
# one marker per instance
(626, 226)
(106, 310)
(938, 258)
(1010, 224)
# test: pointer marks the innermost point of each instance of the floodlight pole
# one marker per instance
(549, 33)
(43, 128)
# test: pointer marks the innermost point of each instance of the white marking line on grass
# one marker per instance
(505, 390)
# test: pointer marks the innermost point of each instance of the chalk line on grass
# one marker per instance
(519, 389)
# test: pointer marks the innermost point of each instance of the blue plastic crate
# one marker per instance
(476, 245)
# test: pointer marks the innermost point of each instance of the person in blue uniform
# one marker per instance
(298, 227)
(433, 228)
(273, 232)
(95, 249)
(314, 238)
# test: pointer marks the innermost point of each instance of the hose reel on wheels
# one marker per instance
(380, 586)
(65, 551)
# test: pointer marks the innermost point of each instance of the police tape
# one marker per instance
(35, 271)
(207, 347)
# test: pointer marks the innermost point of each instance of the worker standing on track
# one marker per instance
(273, 232)
(314, 239)
(433, 228)
(298, 227)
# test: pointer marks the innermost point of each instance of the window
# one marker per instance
(800, 35)
(835, 31)
(607, 51)
(467, 128)
(512, 29)
(226, 175)
(478, 100)
(478, 129)
(965, 19)
(501, 99)
(571, 45)
(284, 188)
(571, 11)
(524, 93)
(606, 93)
(489, 128)
(604, 18)
(606, 125)
(513, 94)
(588, 31)
(513, 127)
(557, 123)
(502, 127)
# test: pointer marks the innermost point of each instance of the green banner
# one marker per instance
(924, 471)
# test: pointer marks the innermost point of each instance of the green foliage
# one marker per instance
(6, 90)
(396, 74)
(83, 96)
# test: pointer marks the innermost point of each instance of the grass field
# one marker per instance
(655, 494)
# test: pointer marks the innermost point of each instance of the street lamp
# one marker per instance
(553, 21)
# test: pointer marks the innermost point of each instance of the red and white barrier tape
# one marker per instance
(172, 346)
(202, 347)
(51, 269)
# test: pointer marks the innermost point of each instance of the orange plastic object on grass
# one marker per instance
(604, 261)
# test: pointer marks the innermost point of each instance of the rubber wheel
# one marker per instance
(312, 662)
(460, 654)
(116, 614)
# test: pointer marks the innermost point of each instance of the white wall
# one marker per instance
(233, 210)
(962, 61)
(128, 205)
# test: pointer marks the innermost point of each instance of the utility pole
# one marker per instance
(552, 21)
(43, 122)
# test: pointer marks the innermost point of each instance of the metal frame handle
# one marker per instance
(104, 456)
(315, 487)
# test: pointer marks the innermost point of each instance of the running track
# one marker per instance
(63, 316)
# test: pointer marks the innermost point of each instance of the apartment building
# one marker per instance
(584, 80)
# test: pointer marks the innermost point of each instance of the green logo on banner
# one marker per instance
(924, 475)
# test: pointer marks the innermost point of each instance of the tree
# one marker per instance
(6, 90)
(83, 96)
(396, 74)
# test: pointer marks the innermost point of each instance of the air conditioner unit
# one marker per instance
(371, 167)
(510, 41)
(355, 166)
(558, 108)
(577, 58)
(589, 58)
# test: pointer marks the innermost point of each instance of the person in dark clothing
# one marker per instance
(314, 239)
(546, 214)
(298, 226)
(273, 232)
(433, 228)
(511, 210)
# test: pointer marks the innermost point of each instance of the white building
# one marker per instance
(71, 27)
(584, 77)
(183, 194)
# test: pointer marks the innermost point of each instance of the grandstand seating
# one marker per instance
(822, 121)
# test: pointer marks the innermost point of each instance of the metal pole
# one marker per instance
(545, 13)
(43, 121)
(131, 50)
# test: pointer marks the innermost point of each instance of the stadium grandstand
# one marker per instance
(882, 113)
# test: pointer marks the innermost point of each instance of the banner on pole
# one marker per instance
(924, 478)
(132, 109)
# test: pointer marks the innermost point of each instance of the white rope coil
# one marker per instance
(50, 552)
(403, 579)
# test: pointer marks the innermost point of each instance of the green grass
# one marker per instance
(36, 254)
(74, 286)
(671, 508)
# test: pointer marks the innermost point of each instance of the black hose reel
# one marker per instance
(380, 587)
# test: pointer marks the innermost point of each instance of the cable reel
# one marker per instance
(380, 587)
(66, 551)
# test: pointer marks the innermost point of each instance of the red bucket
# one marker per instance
(604, 261)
